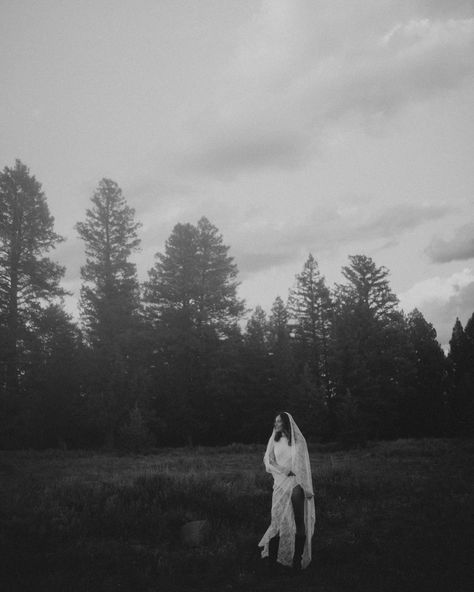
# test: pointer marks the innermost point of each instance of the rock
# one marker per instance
(195, 533)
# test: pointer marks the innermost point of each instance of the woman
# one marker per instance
(288, 538)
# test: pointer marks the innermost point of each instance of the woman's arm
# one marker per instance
(279, 469)
(272, 466)
(275, 467)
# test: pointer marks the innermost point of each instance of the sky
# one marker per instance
(331, 127)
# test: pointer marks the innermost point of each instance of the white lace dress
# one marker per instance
(282, 515)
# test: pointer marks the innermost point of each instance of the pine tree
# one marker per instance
(257, 376)
(425, 407)
(370, 354)
(278, 323)
(194, 281)
(28, 279)
(110, 300)
(218, 305)
(469, 333)
(171, 291)
(462, 379)
(228, 397)
(257, 330)
(281, 351)
(110, 292)
(191, 301)
(368, 288)
(53, 408)
(310, 309)
(307, 401)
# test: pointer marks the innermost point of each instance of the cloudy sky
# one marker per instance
(335, 127)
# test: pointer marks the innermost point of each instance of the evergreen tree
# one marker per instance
(257, 369)
(283, 363)
(27, 278)
(194, 281)
(53, 410)
(310, 308)
(218, 306)
(425, 410)
(469, 333)
(110, 301)
(171, 291)
(368, 291)
(169, 300)
(307, 401)
(28, 281)
(257, 331)
(462, 379)
(110, 292)
(370, 349)
(228, 394)
(191, 301)
(278, 323)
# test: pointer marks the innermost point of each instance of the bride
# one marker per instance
(288, 538)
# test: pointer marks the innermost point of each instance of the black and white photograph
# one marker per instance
(236, 295)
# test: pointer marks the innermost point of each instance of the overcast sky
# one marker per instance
(335, 127)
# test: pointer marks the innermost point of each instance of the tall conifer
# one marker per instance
(28, 279)
(110, 300)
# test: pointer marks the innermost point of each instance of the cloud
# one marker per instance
(329, 228)
(459, 247)
(358, 223)
(441, 300)
(397, 219)
(253, 262)
(242, 149)
(149, 191)
(303, 66)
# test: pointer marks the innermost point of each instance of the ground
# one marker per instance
(394, 516)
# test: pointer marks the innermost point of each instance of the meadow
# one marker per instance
(393, 516)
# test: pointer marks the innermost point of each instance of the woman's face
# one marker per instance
(278, 424)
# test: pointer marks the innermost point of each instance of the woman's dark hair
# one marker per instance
(286, 426)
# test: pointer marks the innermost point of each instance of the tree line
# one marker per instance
(169, 361)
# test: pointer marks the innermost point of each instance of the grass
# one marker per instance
(395, 516)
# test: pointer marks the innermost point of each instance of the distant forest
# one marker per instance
(170, 362)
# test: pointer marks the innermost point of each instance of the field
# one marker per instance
(394, 516)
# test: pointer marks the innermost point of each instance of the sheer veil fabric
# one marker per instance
(282, 516)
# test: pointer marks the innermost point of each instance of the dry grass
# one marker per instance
(392, 516)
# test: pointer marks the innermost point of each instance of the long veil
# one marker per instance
(301, 467)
